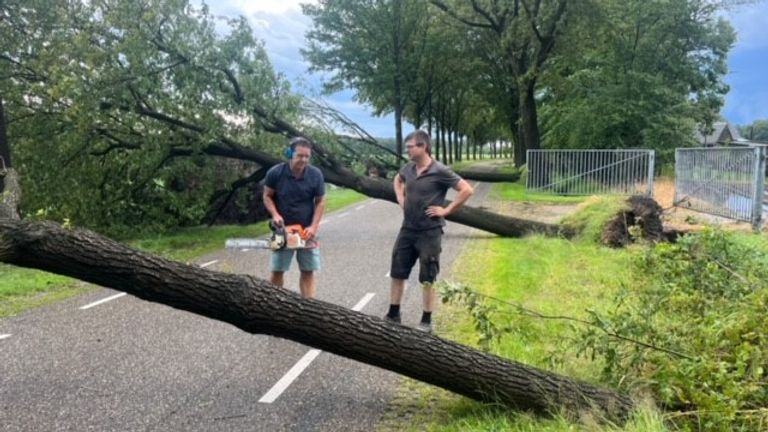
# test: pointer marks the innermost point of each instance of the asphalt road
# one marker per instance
(124, 364)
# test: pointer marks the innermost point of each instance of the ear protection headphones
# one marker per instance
(288, 152)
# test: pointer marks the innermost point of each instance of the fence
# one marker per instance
(724, 181)
(591, 172)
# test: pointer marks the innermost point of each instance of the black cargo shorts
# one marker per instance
(415, 244)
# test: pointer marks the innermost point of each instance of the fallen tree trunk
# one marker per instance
(376, 187)
(490, 177)
(256, 306)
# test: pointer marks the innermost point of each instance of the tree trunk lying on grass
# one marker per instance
(256, 306)
(490, 177)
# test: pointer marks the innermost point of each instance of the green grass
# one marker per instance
(551, 276)
(516, 192)
(22, 289)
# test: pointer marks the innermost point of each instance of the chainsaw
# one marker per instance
(283, 237)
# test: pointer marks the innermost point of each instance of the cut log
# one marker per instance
(256, 306)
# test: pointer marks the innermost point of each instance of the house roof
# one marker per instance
(722, 131)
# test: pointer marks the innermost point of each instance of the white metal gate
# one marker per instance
(724, 181)
(591, 172)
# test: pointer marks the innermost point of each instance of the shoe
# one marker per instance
(395, 319)
(425, 327)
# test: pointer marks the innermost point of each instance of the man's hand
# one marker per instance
(310, 232)
(277, 220)
(436, 211)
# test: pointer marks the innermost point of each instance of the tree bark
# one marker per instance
(256, 306)
(490, 177)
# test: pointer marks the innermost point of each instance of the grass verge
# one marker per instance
(554, 277)
(22, 289)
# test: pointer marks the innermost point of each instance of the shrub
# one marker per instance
(702, 304)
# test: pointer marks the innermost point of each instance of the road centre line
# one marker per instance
(344, 214)
(104, 300)
(360, 207)
(303, 363)
(4, 336)
(204, 265)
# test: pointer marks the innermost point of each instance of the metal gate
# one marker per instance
(724, 181)
(591, 172)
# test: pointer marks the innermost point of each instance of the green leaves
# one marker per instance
(704, 296)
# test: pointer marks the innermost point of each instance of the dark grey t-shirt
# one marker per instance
(295, 197)
(423, 191)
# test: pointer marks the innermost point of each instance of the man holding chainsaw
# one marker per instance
(421, 186)
(294, 194)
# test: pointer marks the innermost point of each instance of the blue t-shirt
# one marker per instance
(295, 197)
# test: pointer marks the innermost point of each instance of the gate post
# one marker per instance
(651, 161)
(759, 183)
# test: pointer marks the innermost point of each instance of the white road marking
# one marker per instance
(363, 301)
(303, 363)
(204, 265)
(104, 300)
(288, 378)
(344, 214)
(3, 336)
(323, 221)
(360, 207)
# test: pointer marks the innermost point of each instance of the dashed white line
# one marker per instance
(323, 221)
(360, 207)
(204, 265)
(303, 363)
(344, 214)
(363, 301)
(3, 336)
(288, 378)
(104, 300)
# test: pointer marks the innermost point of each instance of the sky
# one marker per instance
(281, 25)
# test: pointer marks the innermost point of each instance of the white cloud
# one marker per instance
(749, 22)
(277, 7)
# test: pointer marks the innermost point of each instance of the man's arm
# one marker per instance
(269, 203)
(399, 190)
(311, 231)
(464, 192)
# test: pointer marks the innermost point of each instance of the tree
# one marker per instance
(124, 89)
(10, 191)
(756, 131)
(256, 306)
(521, 36)
(618, 87)
(370, 46)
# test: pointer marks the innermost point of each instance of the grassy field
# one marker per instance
(22, 289)
(552, 276)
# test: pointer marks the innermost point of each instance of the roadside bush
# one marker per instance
(699, 309)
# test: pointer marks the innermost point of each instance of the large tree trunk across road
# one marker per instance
(256, 306)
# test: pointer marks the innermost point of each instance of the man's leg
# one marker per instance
(428, 297)
(403, 258)
(309, 262)
(307, 284)
(280, 263)
(430, 246)
(277, 278)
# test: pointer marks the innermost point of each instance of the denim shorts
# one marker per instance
(308, 259)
